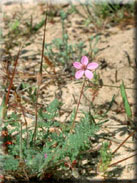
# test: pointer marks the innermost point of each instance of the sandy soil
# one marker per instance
(116, 46)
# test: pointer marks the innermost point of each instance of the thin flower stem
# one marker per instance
(73, 124)
(131, 134)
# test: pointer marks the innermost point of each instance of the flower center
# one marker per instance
(84, 67)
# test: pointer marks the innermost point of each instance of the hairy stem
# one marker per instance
(73, 124)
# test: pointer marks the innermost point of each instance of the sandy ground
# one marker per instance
(115, 44)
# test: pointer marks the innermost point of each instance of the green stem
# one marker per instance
(73, 124)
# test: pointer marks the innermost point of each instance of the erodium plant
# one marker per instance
(58, 147)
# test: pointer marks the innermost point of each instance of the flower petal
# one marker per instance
(84, 60)
(77, 65)
(45, 155)
(92, 66)
(88, 74)
(79, 74)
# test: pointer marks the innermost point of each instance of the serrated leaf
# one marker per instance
(53, 106)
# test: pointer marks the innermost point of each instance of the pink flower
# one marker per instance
(84, 68)
(45, 156)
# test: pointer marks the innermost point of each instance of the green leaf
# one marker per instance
(125, 101)
(10, 163)
(51, 111)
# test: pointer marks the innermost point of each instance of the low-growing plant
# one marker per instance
(57, 146)
(54, 146)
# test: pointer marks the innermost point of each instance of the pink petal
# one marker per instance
(77, 65)
(84, 60)
(88, 74)
(92, 66)
(45, 155)
(79, 74)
